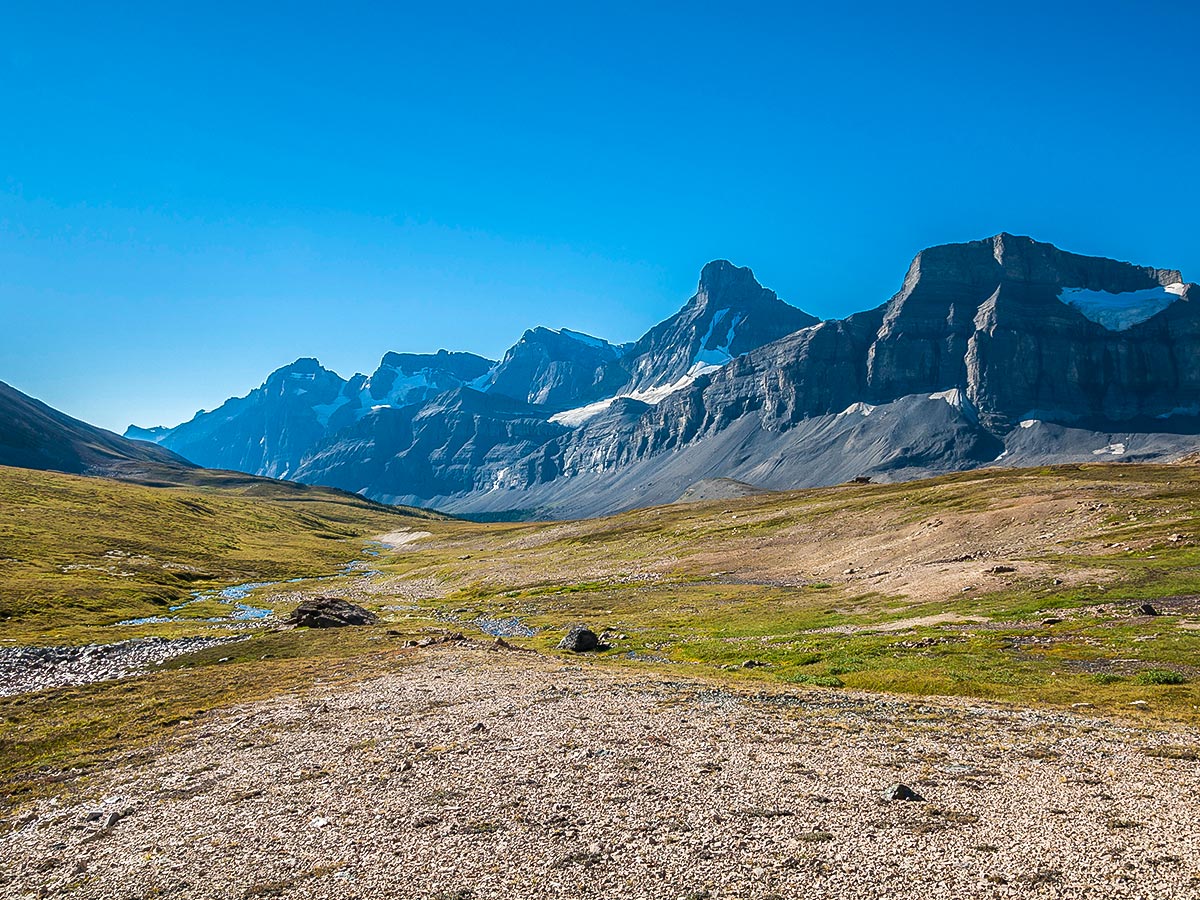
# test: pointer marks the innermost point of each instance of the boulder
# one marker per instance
(330, 612)
(580, 639)
(901, 792)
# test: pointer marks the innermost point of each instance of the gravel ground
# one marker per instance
(24, 669)
(470, 774)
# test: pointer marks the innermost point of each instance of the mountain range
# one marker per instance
(1004, 351)
(1001, 352)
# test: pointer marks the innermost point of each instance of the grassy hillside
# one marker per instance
(77, 554)
(36, 436)
(1013, 585)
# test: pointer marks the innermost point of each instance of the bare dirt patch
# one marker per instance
(394, 540)
(479, 775)
(903, 624)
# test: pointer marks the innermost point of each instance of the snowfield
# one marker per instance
(1120, 312)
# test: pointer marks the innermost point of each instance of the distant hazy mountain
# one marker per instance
(35, 436)
(1004, 351)
(276, 426)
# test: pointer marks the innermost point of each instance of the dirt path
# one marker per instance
(473, 775)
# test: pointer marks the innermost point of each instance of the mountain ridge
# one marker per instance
(34, 435)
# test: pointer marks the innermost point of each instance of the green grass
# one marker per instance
(1160, 676)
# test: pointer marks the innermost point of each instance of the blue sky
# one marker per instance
(192, 195)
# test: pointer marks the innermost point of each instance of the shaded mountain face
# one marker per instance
(730, 314)
(275, 427)
(459, 443)
(1027, 330)
(403, 379)
(557, 369)
(1002, 351)
(35, 436)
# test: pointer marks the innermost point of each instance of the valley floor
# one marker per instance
(473, 773)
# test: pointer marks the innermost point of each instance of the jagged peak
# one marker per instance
(562, 337)
(725, 286)
(720, 278)
(303, 364)
(446, 359)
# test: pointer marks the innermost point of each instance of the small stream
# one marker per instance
(235, 596)
(32, 668)
(508, 626)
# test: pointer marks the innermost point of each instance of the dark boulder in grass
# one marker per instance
(330, 612)
(580, 639)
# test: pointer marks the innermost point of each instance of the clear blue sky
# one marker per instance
(194, 194)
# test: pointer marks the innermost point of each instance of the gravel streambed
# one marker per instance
(24, 669)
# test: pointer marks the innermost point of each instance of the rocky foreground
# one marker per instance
(470, 774)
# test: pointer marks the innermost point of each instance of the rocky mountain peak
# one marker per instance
(556, 368)
(726, 286)
(1007, 257)
(464, 366)
(303, 365)
(305, 369)
(730, 314)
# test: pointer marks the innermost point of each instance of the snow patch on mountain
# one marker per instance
(863, 409)
(573, 418)
(599, 343)
(324, 411)
(957, 398)
(715, 357)
(1119, 312)
(405, 389)
(484, 381)
(705, 361)
(656, 395)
